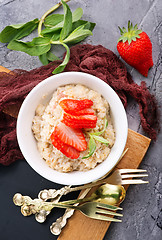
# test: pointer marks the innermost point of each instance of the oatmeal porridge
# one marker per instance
(53, 116)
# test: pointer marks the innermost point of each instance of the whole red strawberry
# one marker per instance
(135, 47)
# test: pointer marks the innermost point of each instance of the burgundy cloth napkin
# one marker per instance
(95, 60)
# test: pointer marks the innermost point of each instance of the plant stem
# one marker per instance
(55, 42)
(46, 14)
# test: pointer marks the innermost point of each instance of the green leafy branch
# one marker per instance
(59, 29)
(96, 136)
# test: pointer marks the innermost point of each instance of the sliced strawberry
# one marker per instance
(86, 111)
(82, 121)
(73, 105)
(78, 125)
(71, 136)
(67, 150)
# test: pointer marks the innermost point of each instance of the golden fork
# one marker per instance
(122, 176)
(93, 210)
(117, 177)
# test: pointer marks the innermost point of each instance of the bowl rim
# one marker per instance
(80, 177)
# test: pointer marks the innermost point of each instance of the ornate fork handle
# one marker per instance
(52, 194)
(57, 226)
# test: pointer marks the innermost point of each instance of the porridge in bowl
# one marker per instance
(74, 131)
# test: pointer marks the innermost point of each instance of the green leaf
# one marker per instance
(55, 36)
(67, 21)
(77, 14)
(95, 136)
(124, 39)
(51, 57)
(91, 26)
(101, 139)
(36, 47)
(88, 25)
(129, 41)
(57, 19)
(46, 57)
(124, 30)
(92, 148)
(52, 29)
(134, 38)
(18, 31)
(53, 20)
(121, 30)
(75, 24)
(43, 58)
(139, 31)
(129, 25)
(120, 39)
(78, 35)
(101, 132)
(61, 67)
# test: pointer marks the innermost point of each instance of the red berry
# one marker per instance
(73, 105)
(85, 111)
(71, 136)
(67, 150)
(82, 121)
(135, 48)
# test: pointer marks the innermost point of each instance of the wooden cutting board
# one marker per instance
(80, 227)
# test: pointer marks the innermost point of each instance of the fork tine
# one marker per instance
(104, 211)
(124, 182)
(133, 175)
(131, 170)
(105, 218)
(106, 206)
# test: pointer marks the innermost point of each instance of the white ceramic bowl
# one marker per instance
(27, 141)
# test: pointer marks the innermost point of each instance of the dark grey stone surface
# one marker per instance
(143, 204)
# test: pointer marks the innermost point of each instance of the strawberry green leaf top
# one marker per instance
(135, 47)
(131, 35)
